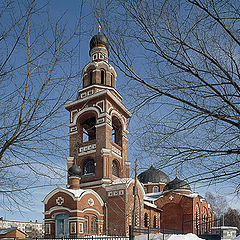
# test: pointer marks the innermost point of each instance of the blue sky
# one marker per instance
(70, 10)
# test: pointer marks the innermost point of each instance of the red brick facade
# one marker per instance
(101, 200)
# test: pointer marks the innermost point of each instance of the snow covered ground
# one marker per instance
(237, 238)
(159, 236)
(188, 236)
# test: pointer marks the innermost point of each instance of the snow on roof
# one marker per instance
(76, 192)
(121, 180)
(153, 196)
(193, 195)
(6, 230)
(150, 204)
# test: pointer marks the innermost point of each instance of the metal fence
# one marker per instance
(81, 238)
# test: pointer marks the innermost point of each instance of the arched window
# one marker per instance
(89, 167)
(91, 77)
(155, 189)
(155, 222)
(145, 189)
(115, 168)
(102, 77)
(197, 219)
(89, 129)
(116, 131)
(85, 224)
(94, 226)
(145, 220)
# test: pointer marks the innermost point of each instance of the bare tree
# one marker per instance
(218, 203)
(36, 65)
(181, 60)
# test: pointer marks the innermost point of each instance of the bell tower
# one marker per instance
(98, 121)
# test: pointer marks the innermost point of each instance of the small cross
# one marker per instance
(171, 197)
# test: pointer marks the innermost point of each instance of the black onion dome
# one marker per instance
(99, 40)
(177, 184)
(153, 175)
(75, 170)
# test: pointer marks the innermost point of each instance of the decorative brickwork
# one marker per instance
(99, 196)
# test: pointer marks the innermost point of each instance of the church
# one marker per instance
(99, 196)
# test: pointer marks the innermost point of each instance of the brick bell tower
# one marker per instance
(98, 122)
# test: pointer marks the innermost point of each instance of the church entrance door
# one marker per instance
(61, 223)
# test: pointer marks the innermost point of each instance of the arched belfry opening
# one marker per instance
(116, 131)
(115, 168)
(91, 77)
(88, 129)
(88, 166)
(103, 76)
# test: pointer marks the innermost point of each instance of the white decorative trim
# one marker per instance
(87, 149)
(103, 105)
(83, 111)
(72, 211)
(90, 202)
(48, 228)
(71, 192)
(73, 130)
(115, 193)
(116, 151)
(100, 120)
(70, 159)
(121, 118)
(73, 227)
(60, 201)
(96, 64)
(49, 221)
(105, 151)
(76, 218)
(99, 182)
(99, 93)
(103, 124)
(81, 230)
(71, 114)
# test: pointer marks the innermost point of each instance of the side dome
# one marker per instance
(75, 171)
(153, 175)
(98, 41)
(177, 184)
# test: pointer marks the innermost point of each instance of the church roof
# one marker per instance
(98, 41)
(177, 184)
(153, 175)
(75, 170)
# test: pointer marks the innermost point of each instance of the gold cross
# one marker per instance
(99, 24)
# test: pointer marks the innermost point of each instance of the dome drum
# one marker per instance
(99, 73)
(99, 54)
